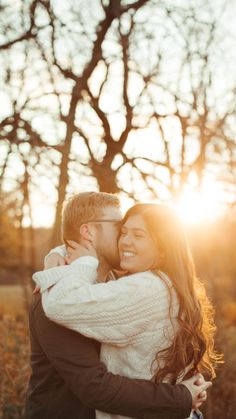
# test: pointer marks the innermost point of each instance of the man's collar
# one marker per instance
(115, 274)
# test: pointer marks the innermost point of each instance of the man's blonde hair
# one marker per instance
(84, 207)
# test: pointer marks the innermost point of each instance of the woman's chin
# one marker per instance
(128, 267)
(123, 265)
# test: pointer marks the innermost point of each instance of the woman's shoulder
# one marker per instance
(156, 280)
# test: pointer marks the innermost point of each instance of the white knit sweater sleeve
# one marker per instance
(61, 250)
(86, 273)
(114, 312)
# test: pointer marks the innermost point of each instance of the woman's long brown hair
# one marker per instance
(193, 343)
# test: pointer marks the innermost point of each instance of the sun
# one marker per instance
(196, 207)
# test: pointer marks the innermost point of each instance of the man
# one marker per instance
(68, 380)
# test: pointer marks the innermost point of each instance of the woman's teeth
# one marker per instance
(128, 254)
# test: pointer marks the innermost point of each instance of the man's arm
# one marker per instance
(76, 360)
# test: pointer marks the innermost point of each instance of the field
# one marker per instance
(12, 301)
(14, 352)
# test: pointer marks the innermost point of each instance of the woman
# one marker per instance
(154, 323)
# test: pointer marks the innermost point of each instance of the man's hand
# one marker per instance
(53, 260)
(198, 389)
(76, 250)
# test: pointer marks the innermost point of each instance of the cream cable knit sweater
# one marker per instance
(129, 316)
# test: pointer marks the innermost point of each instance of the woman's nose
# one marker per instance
(126, 239)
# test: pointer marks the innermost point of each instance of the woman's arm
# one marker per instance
(114, 312)
(56, 257)
(83, 269)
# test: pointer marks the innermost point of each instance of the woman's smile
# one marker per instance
(127, 254)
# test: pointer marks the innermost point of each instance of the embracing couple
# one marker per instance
(110, 343)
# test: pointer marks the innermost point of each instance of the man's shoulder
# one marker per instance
(35, 303)
(36, 313)
(38, 316)
(46, 328)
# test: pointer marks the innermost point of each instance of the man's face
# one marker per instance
(106, 236)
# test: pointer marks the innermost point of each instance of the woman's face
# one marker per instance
(137, 249)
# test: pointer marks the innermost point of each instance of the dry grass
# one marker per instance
(12, 301)
(14, 367)
(14, 351)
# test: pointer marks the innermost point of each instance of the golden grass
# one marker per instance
(14, 351)
(14, 367)
(12, 301)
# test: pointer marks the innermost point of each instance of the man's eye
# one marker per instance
(138, 236)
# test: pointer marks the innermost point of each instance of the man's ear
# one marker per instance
(85, 232)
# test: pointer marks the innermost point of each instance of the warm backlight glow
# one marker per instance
(43, 216)
(198, 207)
(193, 207)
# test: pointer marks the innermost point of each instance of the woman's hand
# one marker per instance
(53, 260)
(76, 250)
